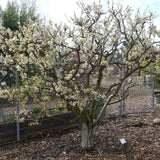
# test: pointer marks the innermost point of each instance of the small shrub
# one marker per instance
(36, 110)
(7, 118)
(135, 124)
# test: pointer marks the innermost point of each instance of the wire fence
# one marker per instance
(11, 129)
(140, 99)
(143, 90)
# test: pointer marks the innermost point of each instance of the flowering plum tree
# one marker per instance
(71, 61)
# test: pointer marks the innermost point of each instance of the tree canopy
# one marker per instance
(70, 62)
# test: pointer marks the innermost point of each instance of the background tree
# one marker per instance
(10, 16)
(16, 14)
(72, 60)
(28, 11)
(0, 13)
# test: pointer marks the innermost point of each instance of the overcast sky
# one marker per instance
(58, 10)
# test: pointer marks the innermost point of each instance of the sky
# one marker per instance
(59, 10)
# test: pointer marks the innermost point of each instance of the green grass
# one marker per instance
(7, 118)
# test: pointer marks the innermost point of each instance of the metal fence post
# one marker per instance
(122, 75)
(120, 96)
(123, 89)
(152, 74)
(17, 106)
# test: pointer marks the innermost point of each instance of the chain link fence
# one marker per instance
(11, 129)
(139, 99)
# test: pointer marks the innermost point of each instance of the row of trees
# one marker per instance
(72, 60)
(15, 15)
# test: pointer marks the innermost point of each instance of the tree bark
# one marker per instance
(87, 137)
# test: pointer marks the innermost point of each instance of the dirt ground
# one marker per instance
(141, 135)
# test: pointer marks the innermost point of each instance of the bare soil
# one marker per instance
(143, 139)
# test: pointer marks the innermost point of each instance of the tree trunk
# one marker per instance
(87, 137)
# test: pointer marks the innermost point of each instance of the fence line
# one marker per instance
(19, 130)
(17, 107)
(122, 108)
